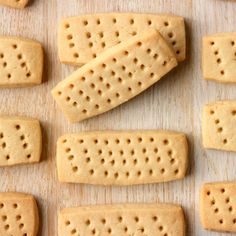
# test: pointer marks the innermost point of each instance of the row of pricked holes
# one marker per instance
(117, 140)
(218, 59)
(120, 219)
(127, 174)
(233, 112)
(4, 218)
(114, 20)
(132, 152)
(21, 226)
(124, 161)
(231, 42)
(14, 205)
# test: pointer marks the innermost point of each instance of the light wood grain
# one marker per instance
(174, 103)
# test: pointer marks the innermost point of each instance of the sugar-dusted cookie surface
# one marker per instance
(115, 76)
(18, 215)
(219, 57)
(14, 3)
(122, 157)
(129, 219)
(219, 125)
(218, 205)
(84, 37)
(21, 62)
(20, 140)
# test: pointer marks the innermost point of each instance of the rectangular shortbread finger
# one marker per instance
(21, 62)
(14, 3)
(20, 140)
(84, 37)
(115, 76)
(219, 57)
(122, 157)
(19, 215)
(127, 219)
(219, 125)
(217, 206)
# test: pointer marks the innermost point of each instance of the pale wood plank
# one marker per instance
(173, 103)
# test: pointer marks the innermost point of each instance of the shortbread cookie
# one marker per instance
(115, 76)
(219, 57)
(21, 62)
(129, 219)
(18, 215)
(20, 140)
(84, 37)
(122, 157)
(14, 3)
(218, 206)
(219, 125)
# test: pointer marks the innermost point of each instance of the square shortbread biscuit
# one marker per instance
(20, 140)
(115, 76)
(218, 205)
(21, 62)
(219, 57)
(219, 125)
(18, 215)
(129, 219)
(14, 3)
(82, 38)
(122, 157)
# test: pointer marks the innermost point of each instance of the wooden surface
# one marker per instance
(174, 103)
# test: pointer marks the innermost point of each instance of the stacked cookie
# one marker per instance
(121, 55)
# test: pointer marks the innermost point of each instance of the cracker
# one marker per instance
(89, 35)
(20, 140)
(219, 57)
(115, 76)
(21, 62)
(127, 219)
(219, 125)
(14, 3)
(18, 215)
(122, 157)
(218, 205)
